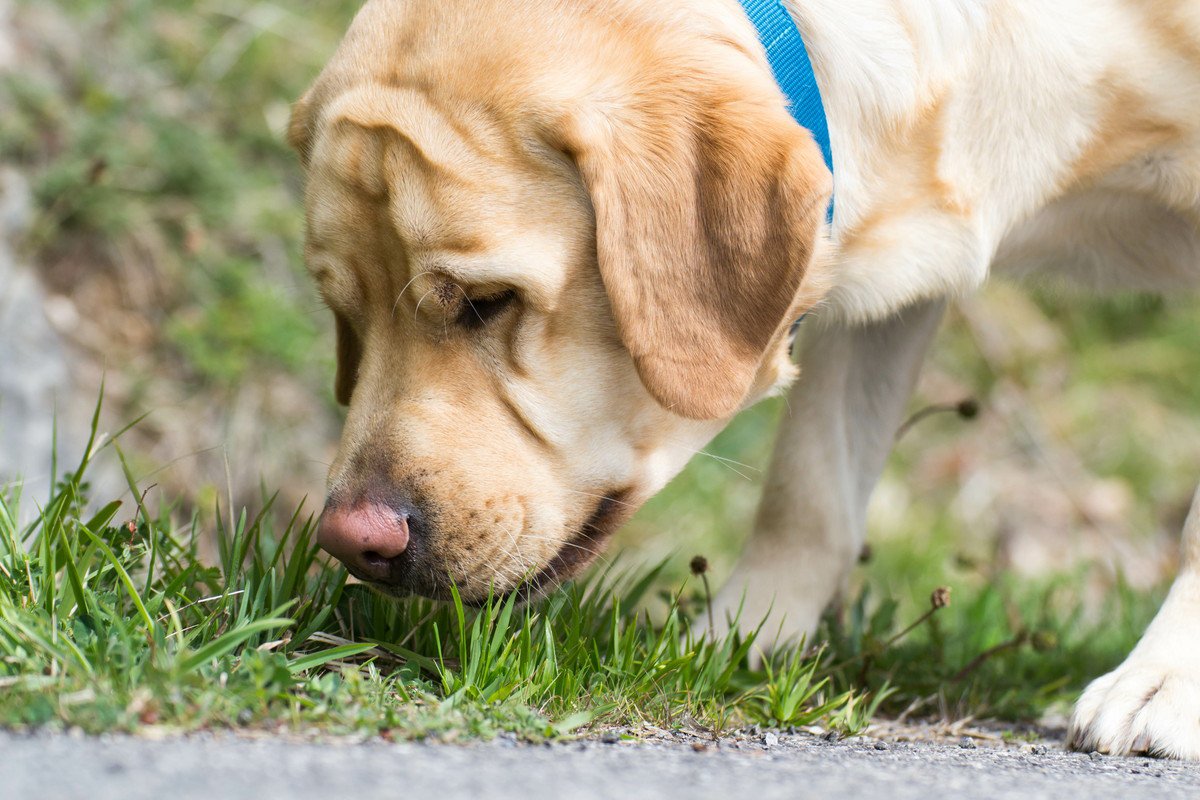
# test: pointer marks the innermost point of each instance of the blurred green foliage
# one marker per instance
(161, 141)
(152, 130)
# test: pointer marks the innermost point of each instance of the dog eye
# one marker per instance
(478, 311)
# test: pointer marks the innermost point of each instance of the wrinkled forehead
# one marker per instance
(437, 188)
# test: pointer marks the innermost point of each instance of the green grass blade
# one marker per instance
(126, 581)
(227, 642)
(312, 660)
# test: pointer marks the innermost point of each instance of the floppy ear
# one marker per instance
(349, 356)
(708, 201)
(299, 132)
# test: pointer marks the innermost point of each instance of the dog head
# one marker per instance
(563, 244)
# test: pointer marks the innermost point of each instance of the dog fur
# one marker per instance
(618, 185)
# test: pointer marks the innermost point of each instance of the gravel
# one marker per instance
(64, 767)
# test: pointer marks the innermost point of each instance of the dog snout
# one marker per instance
(369, 537)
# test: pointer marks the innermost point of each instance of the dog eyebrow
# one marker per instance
(460, 268)
(464, 245)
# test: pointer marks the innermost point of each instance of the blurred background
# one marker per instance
(150, 233)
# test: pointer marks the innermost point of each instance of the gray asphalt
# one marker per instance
(63, 767)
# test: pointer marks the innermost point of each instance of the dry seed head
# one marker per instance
(1044, 641)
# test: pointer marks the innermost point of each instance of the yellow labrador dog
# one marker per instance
(564, 242)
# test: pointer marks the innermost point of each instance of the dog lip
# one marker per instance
(579, 551)
(399, 588)
(393, 589)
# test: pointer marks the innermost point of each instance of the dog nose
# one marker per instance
(367, 537)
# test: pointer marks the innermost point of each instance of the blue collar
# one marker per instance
(792, 67)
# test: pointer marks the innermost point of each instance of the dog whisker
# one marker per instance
(588, 550)
(400, 296)
(604, 497)
(417, 310)
(468, 299)
(726, 462)
(522, 565)
(722, 459)
(527, 567)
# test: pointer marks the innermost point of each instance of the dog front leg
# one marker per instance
(843, 413)
(1151, 703)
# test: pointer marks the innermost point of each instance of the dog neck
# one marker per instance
(884, 69)
(877, 63)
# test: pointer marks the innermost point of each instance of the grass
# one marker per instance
(112, 620)
(168, 212)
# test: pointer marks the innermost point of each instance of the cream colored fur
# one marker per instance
(626, 167)
(1020, 138)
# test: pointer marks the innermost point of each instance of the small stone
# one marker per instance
(832, 736)
(699, 747)
(881, 746)
(610, 737)
(770, 739)
(1095, 755)
(1040, 750)
(967, 743)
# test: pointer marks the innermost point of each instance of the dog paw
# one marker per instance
(779, 619)
(1140, 709)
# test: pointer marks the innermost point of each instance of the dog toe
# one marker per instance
(1137, 709)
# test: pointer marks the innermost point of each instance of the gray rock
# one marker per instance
(8, 45)
(34, 373)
